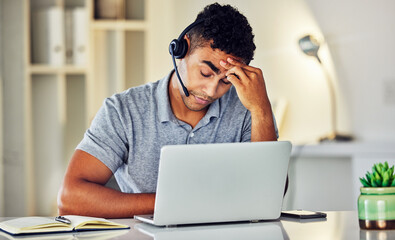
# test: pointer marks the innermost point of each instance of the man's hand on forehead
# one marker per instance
(249, 84)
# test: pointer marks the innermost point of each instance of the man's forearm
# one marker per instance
(262, 126)
(91, 199)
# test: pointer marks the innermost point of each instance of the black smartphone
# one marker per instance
(303, 214)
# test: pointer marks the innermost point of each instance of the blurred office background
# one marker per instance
(59, 59)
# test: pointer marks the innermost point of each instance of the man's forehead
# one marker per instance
(211, 57)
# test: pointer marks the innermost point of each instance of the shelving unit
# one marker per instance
(56, 105)
(62, 99)
(118, 50)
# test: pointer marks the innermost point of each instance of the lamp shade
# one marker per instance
(310, 46)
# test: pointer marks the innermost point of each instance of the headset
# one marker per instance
(178, 48)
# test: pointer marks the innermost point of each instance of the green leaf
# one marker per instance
(377, 176)
(389, 172)
(392, 171)
(386, 180)
(368, 176)
(364, 182)
(382, 170)
(373, 183)
(378, 179)
(372, 179)
(393, 183)
(385, 165)
(392, 180)
(372, 176)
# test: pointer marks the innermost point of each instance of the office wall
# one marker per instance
(1, 116)
(160, 32)
(361, 37)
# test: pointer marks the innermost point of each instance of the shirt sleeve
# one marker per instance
(246, 135)
(106, 137)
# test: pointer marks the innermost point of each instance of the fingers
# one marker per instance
(234, 62)
(235, 70)
(227, 65)
(238, 73)
(234, 79)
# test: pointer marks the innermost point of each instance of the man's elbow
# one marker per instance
(64, 201)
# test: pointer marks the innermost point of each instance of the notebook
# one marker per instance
(214, 183)
(40, 225)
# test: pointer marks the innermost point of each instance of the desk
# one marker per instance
(337, 226)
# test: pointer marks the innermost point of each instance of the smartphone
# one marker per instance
(303, 214)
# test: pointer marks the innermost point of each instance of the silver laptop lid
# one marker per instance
(221, 182)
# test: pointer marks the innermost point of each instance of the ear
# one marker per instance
(188, 43)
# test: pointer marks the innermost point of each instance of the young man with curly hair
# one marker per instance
(227, 102)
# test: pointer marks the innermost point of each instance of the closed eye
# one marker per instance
(204, 75)
(209, 75)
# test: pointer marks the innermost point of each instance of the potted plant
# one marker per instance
(376, 204)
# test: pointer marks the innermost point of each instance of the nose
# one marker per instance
(210, 87)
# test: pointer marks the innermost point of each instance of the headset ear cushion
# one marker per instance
(180, 48)
(173, 46)
(183, 49)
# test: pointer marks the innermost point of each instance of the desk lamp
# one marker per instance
(310, 47)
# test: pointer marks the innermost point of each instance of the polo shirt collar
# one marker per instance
(213, 111)
(165, 113)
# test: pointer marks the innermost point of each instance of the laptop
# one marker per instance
(217, 183)
(272, 230)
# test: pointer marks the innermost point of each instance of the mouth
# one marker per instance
(201, 101)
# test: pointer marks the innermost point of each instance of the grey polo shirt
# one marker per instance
(131, 127)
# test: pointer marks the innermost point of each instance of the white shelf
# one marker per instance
(125, 25)
(47, 69)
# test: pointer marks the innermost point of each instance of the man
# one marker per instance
(227, 102)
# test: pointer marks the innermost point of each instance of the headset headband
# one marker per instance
(192, 25)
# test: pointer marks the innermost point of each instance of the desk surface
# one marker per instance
(338, 225)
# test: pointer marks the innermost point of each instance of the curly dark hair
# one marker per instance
(226, 29)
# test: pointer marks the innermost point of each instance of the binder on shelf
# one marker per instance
(109, 9)
(80, 31)
(68, 27)
(48, 36)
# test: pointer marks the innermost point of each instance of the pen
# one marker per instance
(62, 219)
